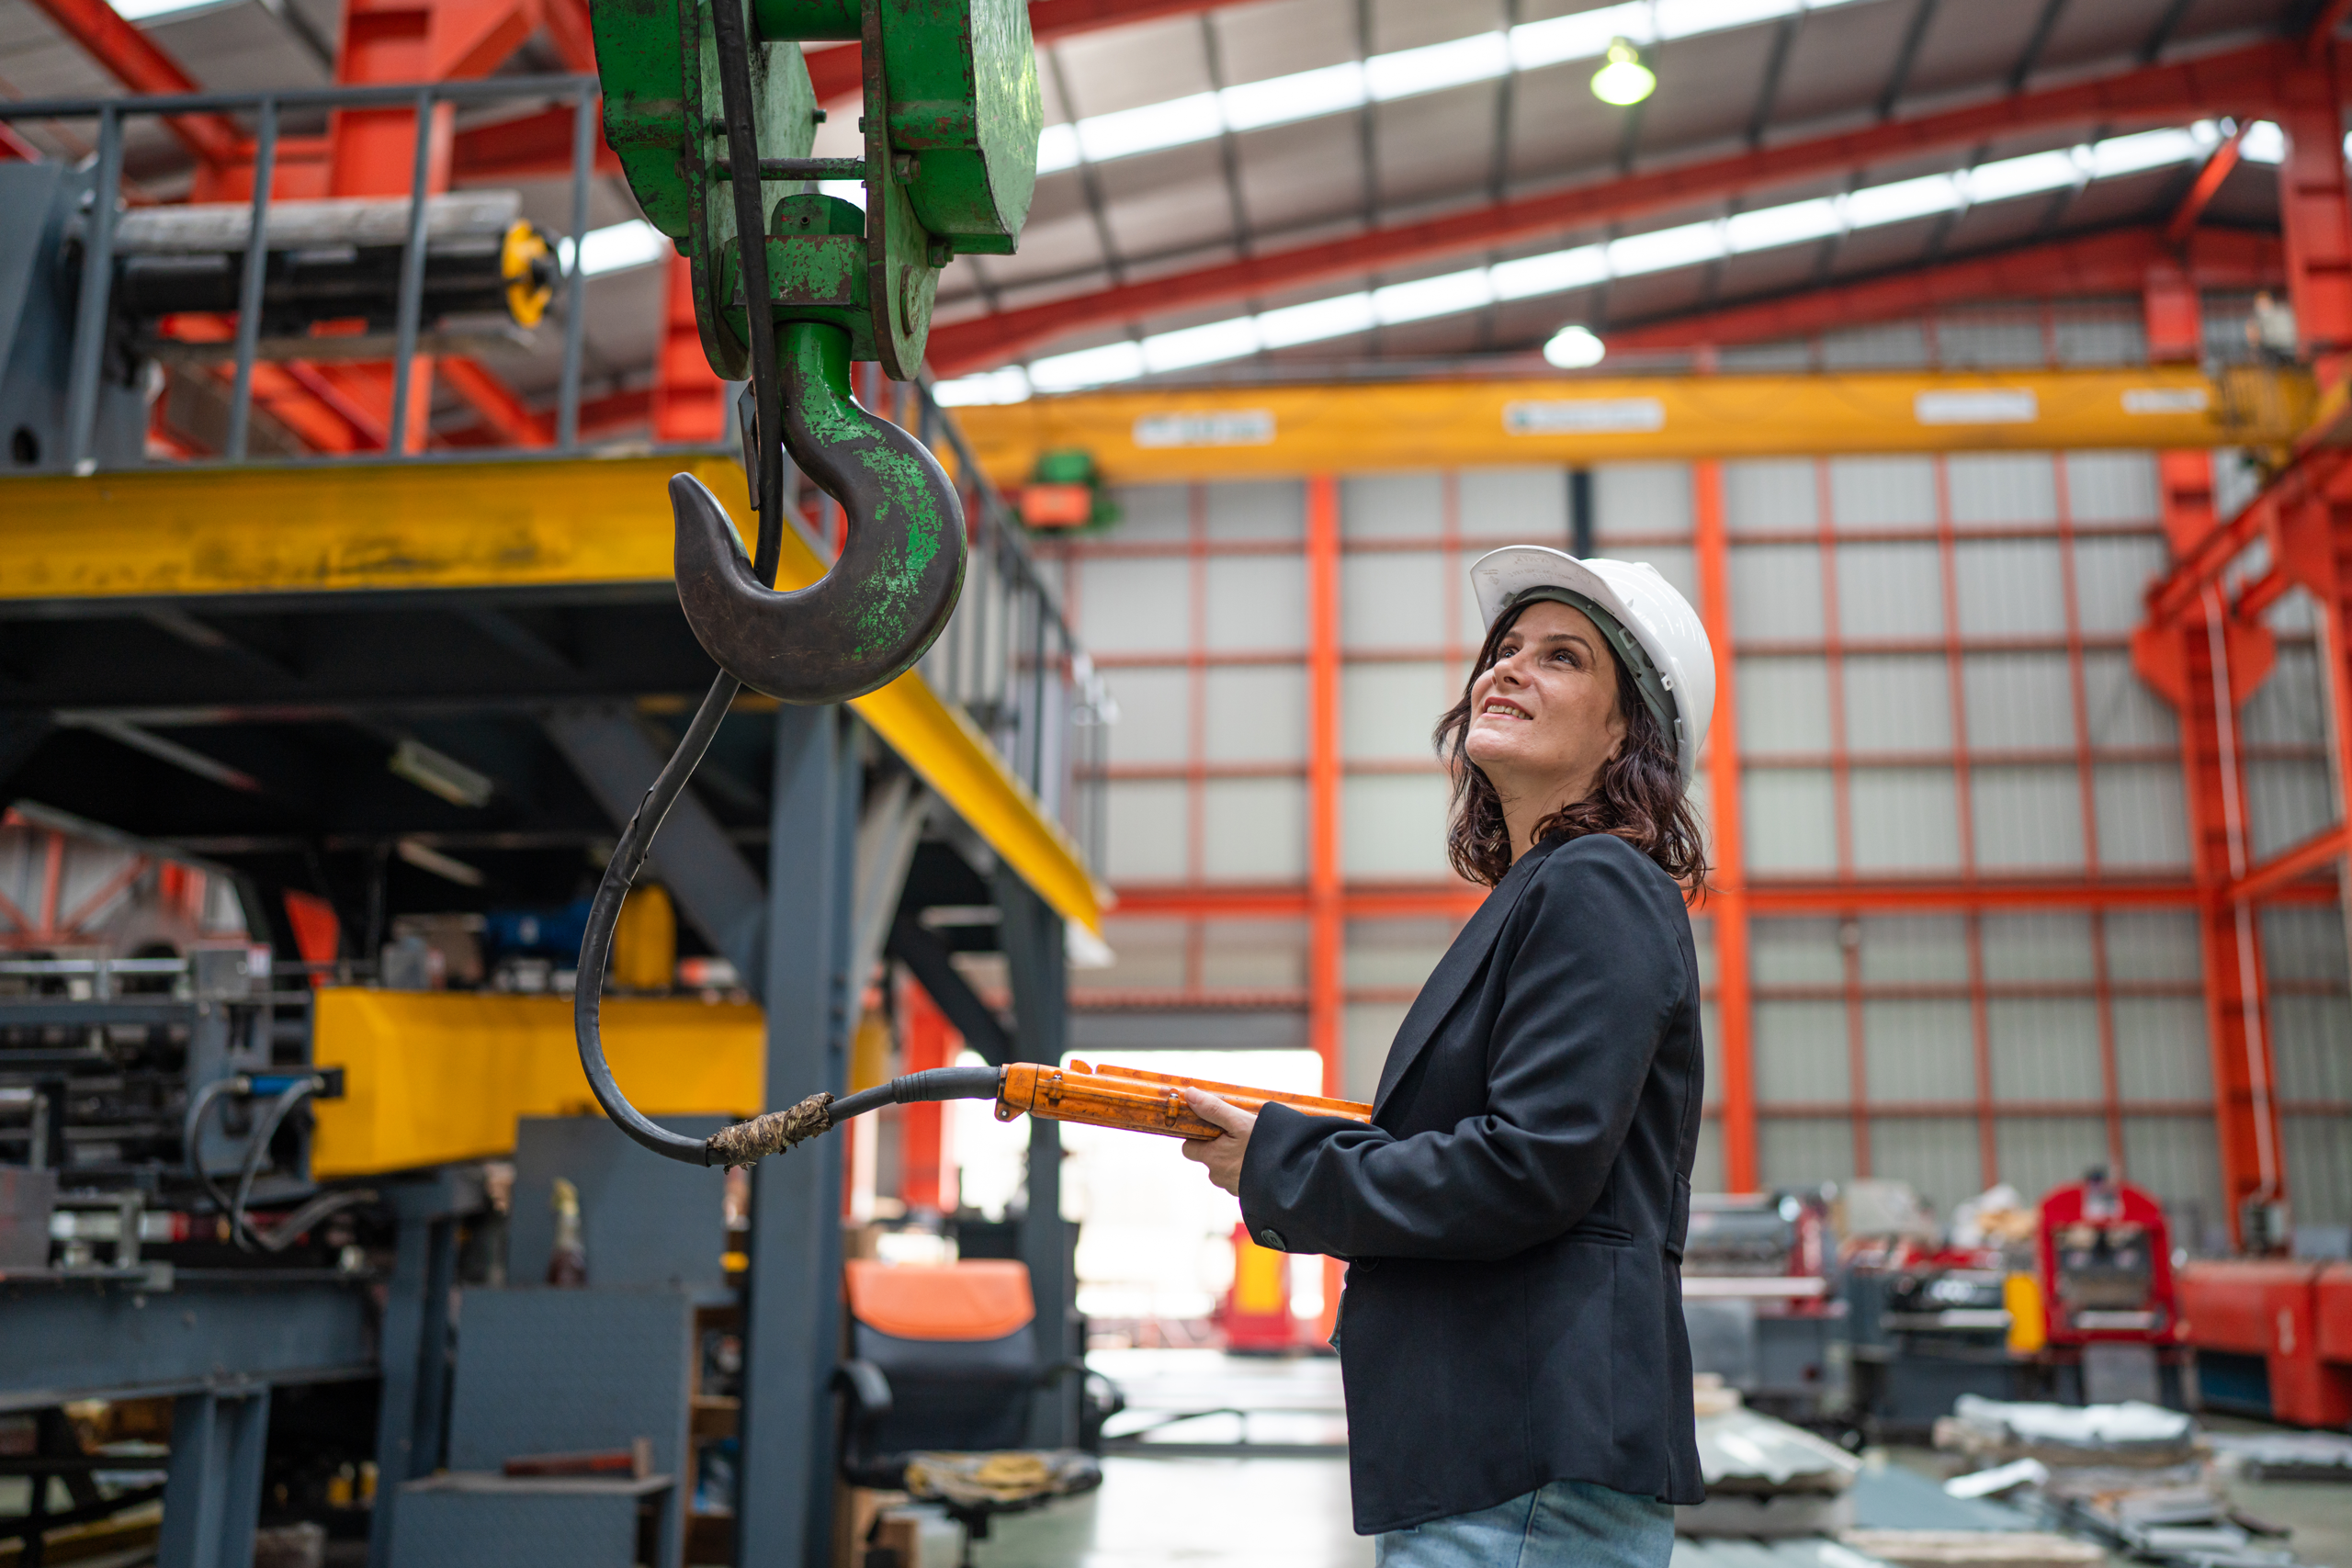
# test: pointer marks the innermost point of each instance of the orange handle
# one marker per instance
(1139, 1102)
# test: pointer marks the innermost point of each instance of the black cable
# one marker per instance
(292, 1095)
(287, 1231)
(759, 310)
(932, 1083)
(194, 1127)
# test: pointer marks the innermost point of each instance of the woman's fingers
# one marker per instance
(1217, 1113)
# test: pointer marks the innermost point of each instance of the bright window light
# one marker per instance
(2264, 143)
(2034, 173)
(1334, 89)
(1582, 36)
(1174, 123)
(1236, 339)
(1551, 273)
(851, 191)
(1057, 149)
(1449, 295)
(1665, 248)
(152, 10)
(1480, 58)
(2149, 150)
(1010, 385)
(1902, 200)
(1317, 320)
(1088, 368)
(1769, 227)
(615, 249)
(1575, 348)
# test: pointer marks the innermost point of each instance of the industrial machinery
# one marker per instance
(1760, 1303)
(2113, 1314)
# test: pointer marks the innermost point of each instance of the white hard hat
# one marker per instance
(1679, 683)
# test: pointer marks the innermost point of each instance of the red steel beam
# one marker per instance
(137, 62)
(2238, 81)
(2216, 168)
(2322, 848)
(2114, 262)
(836, 72)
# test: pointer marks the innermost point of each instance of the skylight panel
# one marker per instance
(1789, 224)
(1010, 385)
(1683, 19)
(154, 10)
(1581, 36)
(1433, 68)
(1444, 296)
(1150, 128)
(617, 248)
(1902, 200)
(851, 191)
(1554, 272)
(2023, 176)
(1235, 339)
(1057, 149)
(1317, 320)
(2148, 150)
(1304, 94)
(2264, 143)
(1665, 248)
(1087, 367)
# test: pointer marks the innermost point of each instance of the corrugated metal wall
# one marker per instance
(1934, 682)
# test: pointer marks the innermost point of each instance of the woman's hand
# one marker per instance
(1222, 1155)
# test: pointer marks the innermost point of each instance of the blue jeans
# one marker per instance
(1566, 1524)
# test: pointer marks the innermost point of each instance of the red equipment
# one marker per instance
(1255, 1314)
(2106, 1266)
(2273, 1336)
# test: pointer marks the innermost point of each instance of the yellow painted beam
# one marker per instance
(433, 1077)
(185, 532)
(1240, 432)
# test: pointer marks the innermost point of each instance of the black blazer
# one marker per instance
(1514, 1216)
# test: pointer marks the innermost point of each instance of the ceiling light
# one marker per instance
(1625, 80)
(1575, 348)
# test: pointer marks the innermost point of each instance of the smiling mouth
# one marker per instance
(1506, 709)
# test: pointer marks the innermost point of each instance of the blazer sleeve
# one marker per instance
(1595, 976)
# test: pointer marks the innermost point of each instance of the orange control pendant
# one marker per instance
(1138, 1100)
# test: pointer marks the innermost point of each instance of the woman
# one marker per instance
(1511, 1337)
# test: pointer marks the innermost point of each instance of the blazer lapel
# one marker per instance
(1453, 972)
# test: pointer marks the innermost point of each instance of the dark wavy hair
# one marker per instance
(1639, 796)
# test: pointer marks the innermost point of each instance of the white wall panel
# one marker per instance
(1904, 818)
(1776, 593)
(1914, 1052)
(1387, 710)
(1367, 1029)
(2044, 1048)
(2158, 946)
(1804, 1151)
(2111, 576)
(1135, 606)
(1897, 345)
(1882, 493)
(2160, 1052)
(2112, 487)
(1771, 496)
(1640, 498)
(2000, 336)
(1256, 602)
(1897, 703)
(1783, 706)
(1255, 714)
(2038, 1153)
(1144, 834)
(2142, 815)
(2122, 709)
(2001, 488)
(1913, 950)
(2290, 708)
(1396, 953)
(2287, 801)
(1791, 818)
(1389, 506)
(2311, 1039)
(1392, 826)
(1938, 1155)
(2318, 1156)
(1257, 509)
(2237, 478)
(1154, 716)
(2178, 1159)
(1800, 1053)
(1707, 1159)
(2009, 587)
(2043, 947)
(1153, 513)
(1522, 505)
(2018, 701)
(2027, 818)
(1253, 830)
(2117, 339)
(1391, 599)
(1253, 955)
(1677, 564)
(1796, 953)
(2305, 943)
(1890, 591)
(1150, 955)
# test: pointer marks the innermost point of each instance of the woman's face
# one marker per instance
(1544, 716)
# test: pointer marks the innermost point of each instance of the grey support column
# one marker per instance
(413, 1348)
(792, 1318)
(1035, 957)
(212, 1498)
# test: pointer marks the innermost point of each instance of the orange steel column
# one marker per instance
(689, 403)
(2316, 212)
(1727, 903)
(2206, 665)
(1327, 930)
